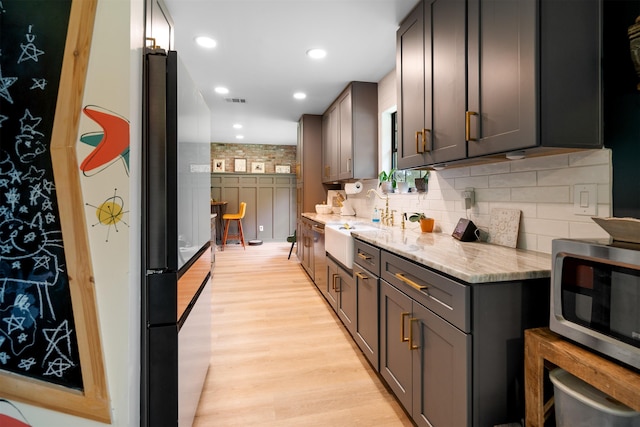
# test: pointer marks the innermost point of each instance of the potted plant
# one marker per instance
(426, 223)
(387, 181)
(421, 183)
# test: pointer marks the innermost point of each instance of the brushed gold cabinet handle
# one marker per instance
(411, 345)
(361, 276)
(410, 282)
(424, 140)
(363, 256)
(467, 125)
(335, 279)
(402, 316)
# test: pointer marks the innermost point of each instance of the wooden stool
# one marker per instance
(234, 217)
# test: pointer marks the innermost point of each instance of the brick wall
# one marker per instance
(270, 155)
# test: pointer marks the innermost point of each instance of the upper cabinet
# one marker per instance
(350, 134)
(487, 77)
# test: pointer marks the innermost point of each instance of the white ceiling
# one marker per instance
(260, 57)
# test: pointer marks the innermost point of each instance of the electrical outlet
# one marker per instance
(469, 197)
(261, 228)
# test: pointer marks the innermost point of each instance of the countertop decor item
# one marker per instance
(387, 181)
(426, 223)
(634, 45)
(504, 227)
(620, 229)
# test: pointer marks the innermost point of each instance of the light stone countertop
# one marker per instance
(471, 262)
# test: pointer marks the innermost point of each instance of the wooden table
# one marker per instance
(544, 348)
(219, 208)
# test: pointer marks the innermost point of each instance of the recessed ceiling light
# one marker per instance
(299, 95)
(237, 126)
(239, 136)
(316, 53)
(222, 90)
(207, 42)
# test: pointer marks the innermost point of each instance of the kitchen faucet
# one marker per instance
(386, 199)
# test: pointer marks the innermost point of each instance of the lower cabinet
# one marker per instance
(366, 329)
(342, 293)
(424, 360)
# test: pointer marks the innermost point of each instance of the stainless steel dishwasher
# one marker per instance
(319, 256)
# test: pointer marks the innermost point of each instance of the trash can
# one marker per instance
(578, 404)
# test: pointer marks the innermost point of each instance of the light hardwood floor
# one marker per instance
(280, 355)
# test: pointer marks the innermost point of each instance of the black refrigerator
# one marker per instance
(175, 237)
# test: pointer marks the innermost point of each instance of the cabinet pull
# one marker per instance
(418, 133)
(411, 345)
(410, 282)
(402, 316)
(424, 140)
(326, 171)
(361, 276)
(335, 279)
(467, 125)
(348, 165)
(363, 256)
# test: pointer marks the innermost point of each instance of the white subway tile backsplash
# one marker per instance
(541, 187)
(540, 163)
(590, 157)
(518, 179)
(596, 174)
(559, 194)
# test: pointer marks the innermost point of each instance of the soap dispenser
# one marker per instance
(376, 215)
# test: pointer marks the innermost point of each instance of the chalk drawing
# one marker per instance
(29, 49)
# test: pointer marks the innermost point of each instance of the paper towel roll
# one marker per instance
(353, 188)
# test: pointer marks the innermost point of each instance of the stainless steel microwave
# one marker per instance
(595, 296)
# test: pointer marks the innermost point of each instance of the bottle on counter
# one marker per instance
(376, 215)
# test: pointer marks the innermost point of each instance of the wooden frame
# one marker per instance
(240, 165)
(218, 165)
(545, 350)
(257, 167)
(93, 400)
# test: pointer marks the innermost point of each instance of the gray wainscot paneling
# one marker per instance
(270, 198)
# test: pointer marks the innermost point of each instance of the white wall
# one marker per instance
(113, 83)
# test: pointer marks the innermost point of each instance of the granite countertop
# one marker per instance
(471, 262)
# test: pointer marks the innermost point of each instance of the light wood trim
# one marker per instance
(93, 401)
(191, 281)
(543, 345)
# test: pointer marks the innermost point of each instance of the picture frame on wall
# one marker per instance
(257, 167)
(218, 165)
(283, 169)
(240, 165)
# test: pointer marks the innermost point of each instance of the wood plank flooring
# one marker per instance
(280, 355)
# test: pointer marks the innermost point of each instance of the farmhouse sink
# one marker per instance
(338, 241)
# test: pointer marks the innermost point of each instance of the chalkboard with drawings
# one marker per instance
(41, 336)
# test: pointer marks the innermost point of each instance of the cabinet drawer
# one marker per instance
(445, 297)
(367, 256)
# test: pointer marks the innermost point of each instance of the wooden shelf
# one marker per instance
(544, 348)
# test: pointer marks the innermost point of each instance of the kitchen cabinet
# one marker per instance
(452, 352)
(344, 293)
(430, 74)
(350, 134)
(305, 246)
(309, 189)
(366, 272)
(487, 77)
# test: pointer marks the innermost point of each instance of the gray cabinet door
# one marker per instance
(366, 320)
(410, 77)
(330, 122)
(395, 354)
(345, 158)
(441, 370)
(346, 299)
(431, 74)
(333, 281)
(502, 76)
